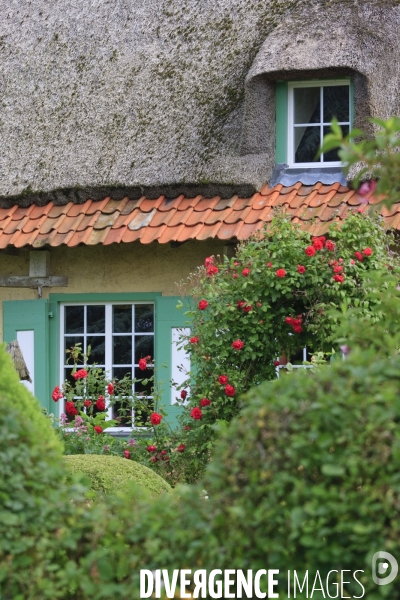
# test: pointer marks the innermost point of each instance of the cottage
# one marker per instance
(139, 138)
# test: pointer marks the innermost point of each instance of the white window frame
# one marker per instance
(108, 334)
(291, 126)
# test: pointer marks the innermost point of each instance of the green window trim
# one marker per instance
(282, 117)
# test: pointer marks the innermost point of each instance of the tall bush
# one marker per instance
(253, 312)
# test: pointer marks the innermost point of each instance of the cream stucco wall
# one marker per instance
(116, 268)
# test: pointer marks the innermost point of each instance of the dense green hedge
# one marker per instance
(306, 478)
(111, 474)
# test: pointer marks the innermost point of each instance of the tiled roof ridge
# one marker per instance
(163, 219)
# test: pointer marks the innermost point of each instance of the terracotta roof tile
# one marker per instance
(131, 236)
(114, 205)
(168, 204)
(140, 220)
(218, 216)
(130, 206)
(186, 203)
(151, 234)
(114, 236)
(95, 236)
(225, 203)
(110, 221)
(207, 204)
(178, 217)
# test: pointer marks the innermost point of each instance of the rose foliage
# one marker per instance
(271, 300)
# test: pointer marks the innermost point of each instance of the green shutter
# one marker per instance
(281, 123)
(31, 315)
(168, 317)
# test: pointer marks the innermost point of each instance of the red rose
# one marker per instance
(259, 304)
(310, 250)
(359, 256)
(209, 261)
(338, 269)
(212, 271)
(317, 244)
(247, 309)
(187, 428)
(183, 394)
(330, 246)
(143, 363)
(301, 269)
(367, 252)
(269, 265)
(181, 448)
(110, 388)
(338, 278)
(230, 390)
(281, 273)
(235, 276)
(321, 238)
(276, 363)
(153, 459)
(352, 262)
(236, 263)
(196, 413)
(237, 345)
(205, 402)
(100, 403)
(98, 429)
(203, 304)
(240, 304)
(151, 448)
(57, 394)
(194, 340)
(289, 320)
(155, 418)
(297, 328)
(127, 454)
(165, 457)
(246, 272)
(87, 403)
(70, 408)
(81, 374)
(223, 379)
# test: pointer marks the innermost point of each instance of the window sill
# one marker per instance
(288, 176)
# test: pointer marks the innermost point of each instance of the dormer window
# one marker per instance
(306, 109)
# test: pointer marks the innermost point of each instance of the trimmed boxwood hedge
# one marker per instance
(112, 474)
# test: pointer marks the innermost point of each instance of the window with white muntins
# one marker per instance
(118, 334)
(311, 108)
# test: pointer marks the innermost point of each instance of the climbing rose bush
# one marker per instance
(268, 302)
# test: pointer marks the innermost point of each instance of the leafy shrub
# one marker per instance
(34, 503)
(305, 478)
(111, 474)
(259, 309)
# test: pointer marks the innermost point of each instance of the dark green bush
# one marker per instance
(111, 474)
(306, 478)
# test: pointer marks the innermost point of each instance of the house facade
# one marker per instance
(140, 137)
